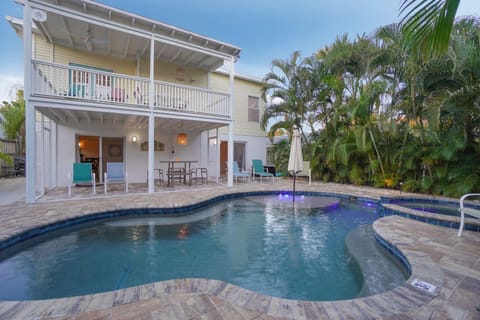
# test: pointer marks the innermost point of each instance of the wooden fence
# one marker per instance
(11, 148)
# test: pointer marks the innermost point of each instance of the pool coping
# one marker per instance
(404, 299)
(392, 206)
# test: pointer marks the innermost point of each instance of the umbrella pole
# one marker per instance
(294, 176)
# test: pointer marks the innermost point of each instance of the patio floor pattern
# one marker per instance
(436, 255)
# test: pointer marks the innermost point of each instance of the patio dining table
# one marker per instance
(187, 166)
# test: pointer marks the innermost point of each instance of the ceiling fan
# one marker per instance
(87, 38)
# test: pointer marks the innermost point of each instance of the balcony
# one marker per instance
(92, 86)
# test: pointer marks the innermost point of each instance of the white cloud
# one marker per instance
(9, 86)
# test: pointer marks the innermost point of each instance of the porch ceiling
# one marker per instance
(84, 118)
(92, 27)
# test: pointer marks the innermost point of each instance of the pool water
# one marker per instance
(258, 243)
(444, 208)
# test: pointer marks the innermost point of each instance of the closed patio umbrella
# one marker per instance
(295, 161)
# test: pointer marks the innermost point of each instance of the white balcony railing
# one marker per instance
(90, 85)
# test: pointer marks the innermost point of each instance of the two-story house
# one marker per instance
(102, 84)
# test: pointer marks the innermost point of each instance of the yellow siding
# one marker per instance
(163, 71)
(243, 89)
(168, 72)
(43, 51)
(63, 56)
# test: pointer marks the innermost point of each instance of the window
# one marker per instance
(270, 155)
(253, 109)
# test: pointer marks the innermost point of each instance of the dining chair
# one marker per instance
(199, 174)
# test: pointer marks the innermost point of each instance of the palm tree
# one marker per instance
(13, 123)
(427, 24)
(284, 85)
(14, 117)
(452, 85)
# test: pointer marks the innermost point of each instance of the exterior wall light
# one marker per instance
(182, 139)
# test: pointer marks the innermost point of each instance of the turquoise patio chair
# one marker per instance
(115, 174)
(259, 170)
(237, 173)
(82, 174)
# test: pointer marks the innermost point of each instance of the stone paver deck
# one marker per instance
(435, 254)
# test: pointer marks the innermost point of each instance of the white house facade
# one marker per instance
(104, 85)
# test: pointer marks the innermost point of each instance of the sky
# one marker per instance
(264, 29)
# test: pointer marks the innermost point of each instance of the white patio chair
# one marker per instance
(115, 174)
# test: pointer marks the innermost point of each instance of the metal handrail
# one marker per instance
(467, 210)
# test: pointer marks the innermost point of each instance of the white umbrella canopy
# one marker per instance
(295, 161)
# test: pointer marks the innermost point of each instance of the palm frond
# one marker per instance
(427, 24)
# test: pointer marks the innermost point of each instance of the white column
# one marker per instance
(151, 122)
(137, 68)
(30, 171)
(230, 125)
(217, 155)
(54, 153)
(42, 156)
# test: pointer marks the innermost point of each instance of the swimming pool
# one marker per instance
(259, 243)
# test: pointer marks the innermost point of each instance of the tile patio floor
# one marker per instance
(435, 253)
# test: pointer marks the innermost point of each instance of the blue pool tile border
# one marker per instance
(395, 252)
(438, 220)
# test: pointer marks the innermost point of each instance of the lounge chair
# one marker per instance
(115, 174)
(306, 172)
(467, 210)
(237, 173)
(82, 173)
(259, 170)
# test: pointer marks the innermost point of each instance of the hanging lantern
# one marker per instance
(182, 139)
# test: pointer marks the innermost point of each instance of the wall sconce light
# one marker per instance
(134, 139)
(81, 144)
(182, 139)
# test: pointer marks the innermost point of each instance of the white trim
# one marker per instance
(230, 126)
(30, 170)
(77, 15)
(42, 154)
(151, 122)
(82, 106)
